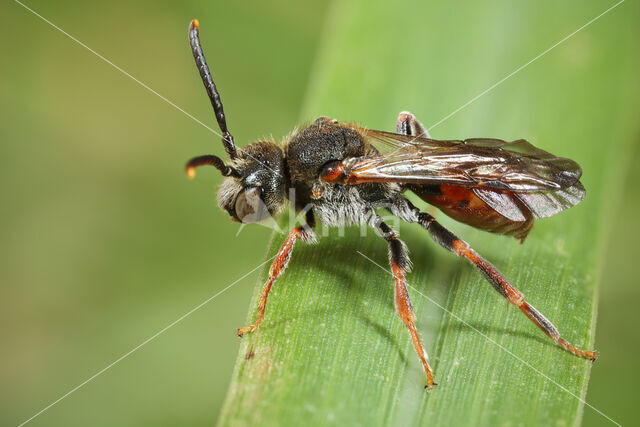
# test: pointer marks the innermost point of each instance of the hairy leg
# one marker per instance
(408, 124)
(279, 265)
(400, 263)
(461, 248)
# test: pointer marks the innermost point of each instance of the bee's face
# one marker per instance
(259, 192)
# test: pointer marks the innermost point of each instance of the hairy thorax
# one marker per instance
(308, 150)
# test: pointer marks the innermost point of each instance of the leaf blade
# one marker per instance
(370, 374)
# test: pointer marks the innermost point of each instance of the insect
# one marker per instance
(340, 175)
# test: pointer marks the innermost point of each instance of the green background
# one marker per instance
(104, 242)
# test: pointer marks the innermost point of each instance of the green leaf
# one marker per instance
(331, 349)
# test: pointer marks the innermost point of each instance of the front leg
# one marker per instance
(305, 233)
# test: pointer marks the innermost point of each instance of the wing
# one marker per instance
(479, 163)
(514, 206)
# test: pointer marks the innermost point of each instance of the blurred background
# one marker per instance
(104, 242)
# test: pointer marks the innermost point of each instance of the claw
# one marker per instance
(242, 331)
(429, 387)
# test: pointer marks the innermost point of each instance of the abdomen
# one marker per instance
(464, 206)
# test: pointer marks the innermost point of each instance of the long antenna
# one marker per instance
(212, 91)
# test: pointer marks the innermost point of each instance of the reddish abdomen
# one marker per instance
(464, 206)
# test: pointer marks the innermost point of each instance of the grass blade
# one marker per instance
(331, 349)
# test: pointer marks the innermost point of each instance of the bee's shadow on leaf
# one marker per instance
(344, 260)
(485, 329)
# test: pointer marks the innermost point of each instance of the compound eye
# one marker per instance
(250, 207)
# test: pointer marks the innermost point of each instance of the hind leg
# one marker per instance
(449, 241)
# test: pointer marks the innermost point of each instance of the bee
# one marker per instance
(342, 173)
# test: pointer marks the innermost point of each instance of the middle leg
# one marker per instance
(400, 263)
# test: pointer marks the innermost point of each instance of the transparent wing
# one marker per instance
(493, 164)
(540, 205)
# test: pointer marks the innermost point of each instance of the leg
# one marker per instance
(399, 260)
(278, 266)
(407, 124)
(449, 241)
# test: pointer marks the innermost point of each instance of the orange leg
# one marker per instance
(277, 267)
(405, 311)
(449, 241)
(399, 260)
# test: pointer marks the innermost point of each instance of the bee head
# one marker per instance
(254, 187)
